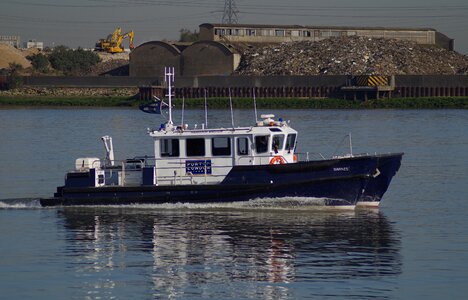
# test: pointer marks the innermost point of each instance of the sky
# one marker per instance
(82, 22)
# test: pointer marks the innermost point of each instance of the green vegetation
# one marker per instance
(63, 60)
(322, 103)
(71, 61)
(186, 35)
(265, 103)
(419, 103)
(39, 62)
(14, 79)
(273, 103)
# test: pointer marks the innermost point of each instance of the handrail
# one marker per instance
(178, 165)
(146, 161)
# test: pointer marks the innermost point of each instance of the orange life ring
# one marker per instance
(294, 158)
(277, 160)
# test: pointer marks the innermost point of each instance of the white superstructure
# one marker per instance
(196, 156)
(207, 155)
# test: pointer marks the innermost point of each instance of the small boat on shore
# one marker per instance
(204, 165)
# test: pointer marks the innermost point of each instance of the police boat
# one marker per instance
(225, 165)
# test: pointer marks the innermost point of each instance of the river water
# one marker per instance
(415, 246)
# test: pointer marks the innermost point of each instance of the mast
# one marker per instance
(255, 105)
(206, 112)
(169, 80)
(230, 104)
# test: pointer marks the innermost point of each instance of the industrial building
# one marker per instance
(209, 58)
(12, 40)
(199, 58)
(149, 59)
(34, 44)
(250, 33)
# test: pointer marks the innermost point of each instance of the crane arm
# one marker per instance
(130, 36)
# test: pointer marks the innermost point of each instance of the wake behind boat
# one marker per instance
(225, 165)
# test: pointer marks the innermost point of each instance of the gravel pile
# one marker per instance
(71, 92)
(352, 56)
(116, 67)
(111, 64)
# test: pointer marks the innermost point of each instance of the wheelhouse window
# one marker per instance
(261, 143)
(221, 146)
(169, 148)
(195, 147)
(291, 141)
(277, 142)
(243, 146)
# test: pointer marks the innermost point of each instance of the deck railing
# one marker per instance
(212, 173)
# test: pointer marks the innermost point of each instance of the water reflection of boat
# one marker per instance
(255, 246)
(231, 164)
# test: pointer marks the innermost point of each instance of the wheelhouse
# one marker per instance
(195, 156)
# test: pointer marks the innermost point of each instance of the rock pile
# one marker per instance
(116, 67)
(71, 92)
(352, 56)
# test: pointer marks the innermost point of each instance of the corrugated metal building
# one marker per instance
(209, 58)
(254, 33)
(199, 58)
(149, 59)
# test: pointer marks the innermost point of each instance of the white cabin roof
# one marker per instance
(179, 131)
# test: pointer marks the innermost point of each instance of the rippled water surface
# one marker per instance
(416, 246)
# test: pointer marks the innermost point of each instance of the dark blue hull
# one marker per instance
(343, 181)
(387, 167)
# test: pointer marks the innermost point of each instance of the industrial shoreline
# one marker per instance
(240, 103)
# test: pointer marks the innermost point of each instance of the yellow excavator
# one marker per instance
(113, 43)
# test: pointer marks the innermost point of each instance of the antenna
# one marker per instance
(169, 79)
(230, 104)
(230, 12)
(255, 105)
(206, 112)
(183, 107)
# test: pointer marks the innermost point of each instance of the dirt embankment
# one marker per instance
(9, 54)
(352, 56)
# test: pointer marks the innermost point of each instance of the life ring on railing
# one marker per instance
(294, 158)
(277, 160)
